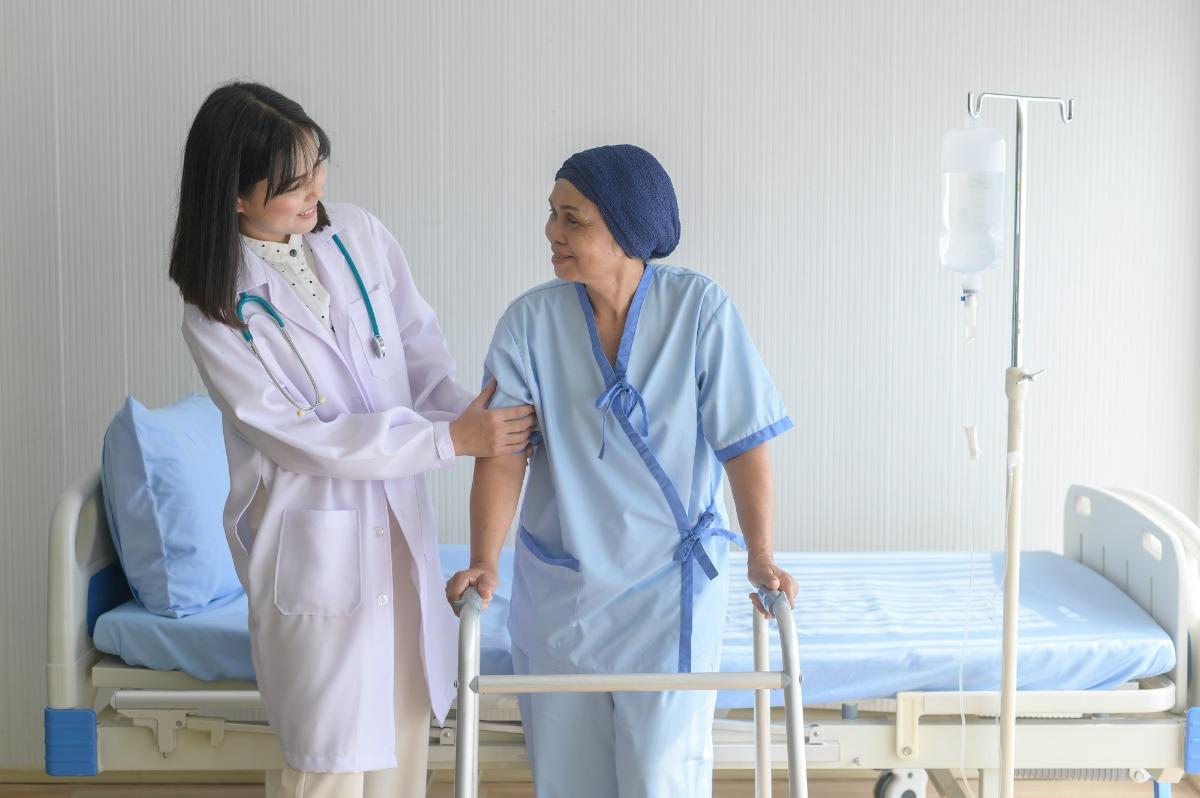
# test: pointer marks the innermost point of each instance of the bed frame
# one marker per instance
(103, 715)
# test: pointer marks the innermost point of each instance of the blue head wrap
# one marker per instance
(634, 194)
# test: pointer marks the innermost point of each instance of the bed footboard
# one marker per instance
(1143, 546)
(84, 580)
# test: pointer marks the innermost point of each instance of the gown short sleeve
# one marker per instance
(506, 363)
(739, 406)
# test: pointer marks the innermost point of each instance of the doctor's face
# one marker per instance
(277, 218)
(582, 248)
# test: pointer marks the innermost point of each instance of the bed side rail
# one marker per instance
(1143, 546)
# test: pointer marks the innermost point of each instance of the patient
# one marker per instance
(649, 390)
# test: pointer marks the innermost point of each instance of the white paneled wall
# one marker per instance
(803, 138)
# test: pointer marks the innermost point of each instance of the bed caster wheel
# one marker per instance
(901, 784)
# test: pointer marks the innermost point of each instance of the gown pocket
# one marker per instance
(566, 561)
(545, 591)
(318, 569)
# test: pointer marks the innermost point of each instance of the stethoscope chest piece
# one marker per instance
(303, 407)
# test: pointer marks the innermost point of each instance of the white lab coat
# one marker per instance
(317, 567)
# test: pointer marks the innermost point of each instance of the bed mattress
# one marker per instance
(870, 625)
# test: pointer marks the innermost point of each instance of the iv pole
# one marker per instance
(1016, 384)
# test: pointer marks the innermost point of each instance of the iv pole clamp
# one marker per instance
(1016, 384)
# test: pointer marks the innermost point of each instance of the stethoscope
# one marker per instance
(247, 298)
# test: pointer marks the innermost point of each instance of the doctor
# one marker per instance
(648, 392)
(338, 394)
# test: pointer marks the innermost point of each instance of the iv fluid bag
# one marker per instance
(973, 161)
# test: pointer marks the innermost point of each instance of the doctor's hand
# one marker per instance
(764, 573)
(484, 580)
(480, 432)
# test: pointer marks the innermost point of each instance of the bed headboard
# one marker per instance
(84, 580)
(1141, 544)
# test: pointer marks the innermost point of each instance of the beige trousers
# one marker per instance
(408, 780)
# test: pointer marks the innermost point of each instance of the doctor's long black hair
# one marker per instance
(243, 133)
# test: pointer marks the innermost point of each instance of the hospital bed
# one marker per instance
(1103, 663)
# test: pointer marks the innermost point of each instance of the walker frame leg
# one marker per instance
(793, 704)
(466, 754)
(762, 711)
(466, 746)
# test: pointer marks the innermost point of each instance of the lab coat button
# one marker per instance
(383, 599)
(378, 531)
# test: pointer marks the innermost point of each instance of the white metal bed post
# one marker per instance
(471, 684)
(1015, 386)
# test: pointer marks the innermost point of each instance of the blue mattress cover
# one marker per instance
(870, 625)
(213, 644)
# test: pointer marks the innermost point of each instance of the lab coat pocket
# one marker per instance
(548, 585)
(318, 570)
(392, 363)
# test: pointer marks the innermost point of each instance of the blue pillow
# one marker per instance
(165, 480)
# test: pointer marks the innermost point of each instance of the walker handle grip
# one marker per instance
(769, 597)
(469, 598)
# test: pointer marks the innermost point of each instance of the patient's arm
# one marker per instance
(753, 484)
(495, 490)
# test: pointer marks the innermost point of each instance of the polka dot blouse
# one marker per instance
(293, 260)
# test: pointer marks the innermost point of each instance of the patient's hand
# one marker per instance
(764, 573)
(484, 580)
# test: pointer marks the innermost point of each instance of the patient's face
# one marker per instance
(582, 248)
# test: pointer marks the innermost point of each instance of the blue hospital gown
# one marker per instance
(621, 561)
